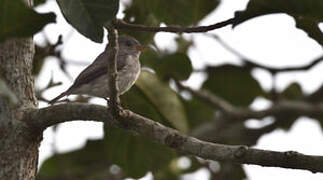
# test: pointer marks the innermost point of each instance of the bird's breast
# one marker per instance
(128, 75)
(126, 78)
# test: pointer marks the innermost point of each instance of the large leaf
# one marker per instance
(17, 20)
(88, 16)
(155, 12)
(233, 83)
(138, 102)
(164, 99)
(177, 65)
(198, 112)
(307, 13)
(179, 12)
(139, 17)
(135, 154)
(77, 164)
(154, 99)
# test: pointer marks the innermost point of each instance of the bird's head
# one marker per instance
(129, 46)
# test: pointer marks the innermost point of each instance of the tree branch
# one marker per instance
(281, 107)
(112, 68)
(284, 69)
(42, 118)
(119, 24)
(272, 70)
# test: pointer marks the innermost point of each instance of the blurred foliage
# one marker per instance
(44, 51)
(177, 65)
(292, 92)
(136, 155)
(154, 94)
(88, 16)
(77, 164)
(233, 83)
(178, 12)
(198, 112)
(158, 96)
(39, 2)
(229, 171)
(307, 14)
(16, 16)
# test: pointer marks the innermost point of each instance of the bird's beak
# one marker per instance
(141, 48)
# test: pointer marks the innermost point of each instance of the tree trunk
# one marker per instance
(18, 142)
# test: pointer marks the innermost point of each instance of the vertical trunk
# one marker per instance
(18, 143)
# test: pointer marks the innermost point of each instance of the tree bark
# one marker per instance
(18, 142)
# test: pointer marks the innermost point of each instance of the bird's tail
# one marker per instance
(53, 101)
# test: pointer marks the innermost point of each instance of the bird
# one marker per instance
(94, 79)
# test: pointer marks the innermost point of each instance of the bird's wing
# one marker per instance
(98, 68)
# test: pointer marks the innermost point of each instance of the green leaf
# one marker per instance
(174, 171)
(149, 58)
(233, 83)
(183, 44)
(198, 112)
(17, 20)
(136, 155)
(164, 99)
(155, 12)
(229, 171)
(176, 65)
(292, 92)
(88, 16)
(138, 102)
(77, 164)
(311, 28)
(311, 9)
(154, 99)
(180, 12)
(142, 36)
(307, 13)
(38, 2)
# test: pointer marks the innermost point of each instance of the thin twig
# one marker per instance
(176, 29)
(272, 70)
(211, 99)
(279, 108)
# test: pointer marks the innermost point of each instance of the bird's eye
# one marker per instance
(128, 43)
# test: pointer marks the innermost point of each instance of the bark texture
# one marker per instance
(18, 142)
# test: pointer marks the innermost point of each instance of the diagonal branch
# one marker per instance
(42, 118)
(300, 108)
(177, 29)
(272, 70)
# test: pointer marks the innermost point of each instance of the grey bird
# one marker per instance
(94, 80)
